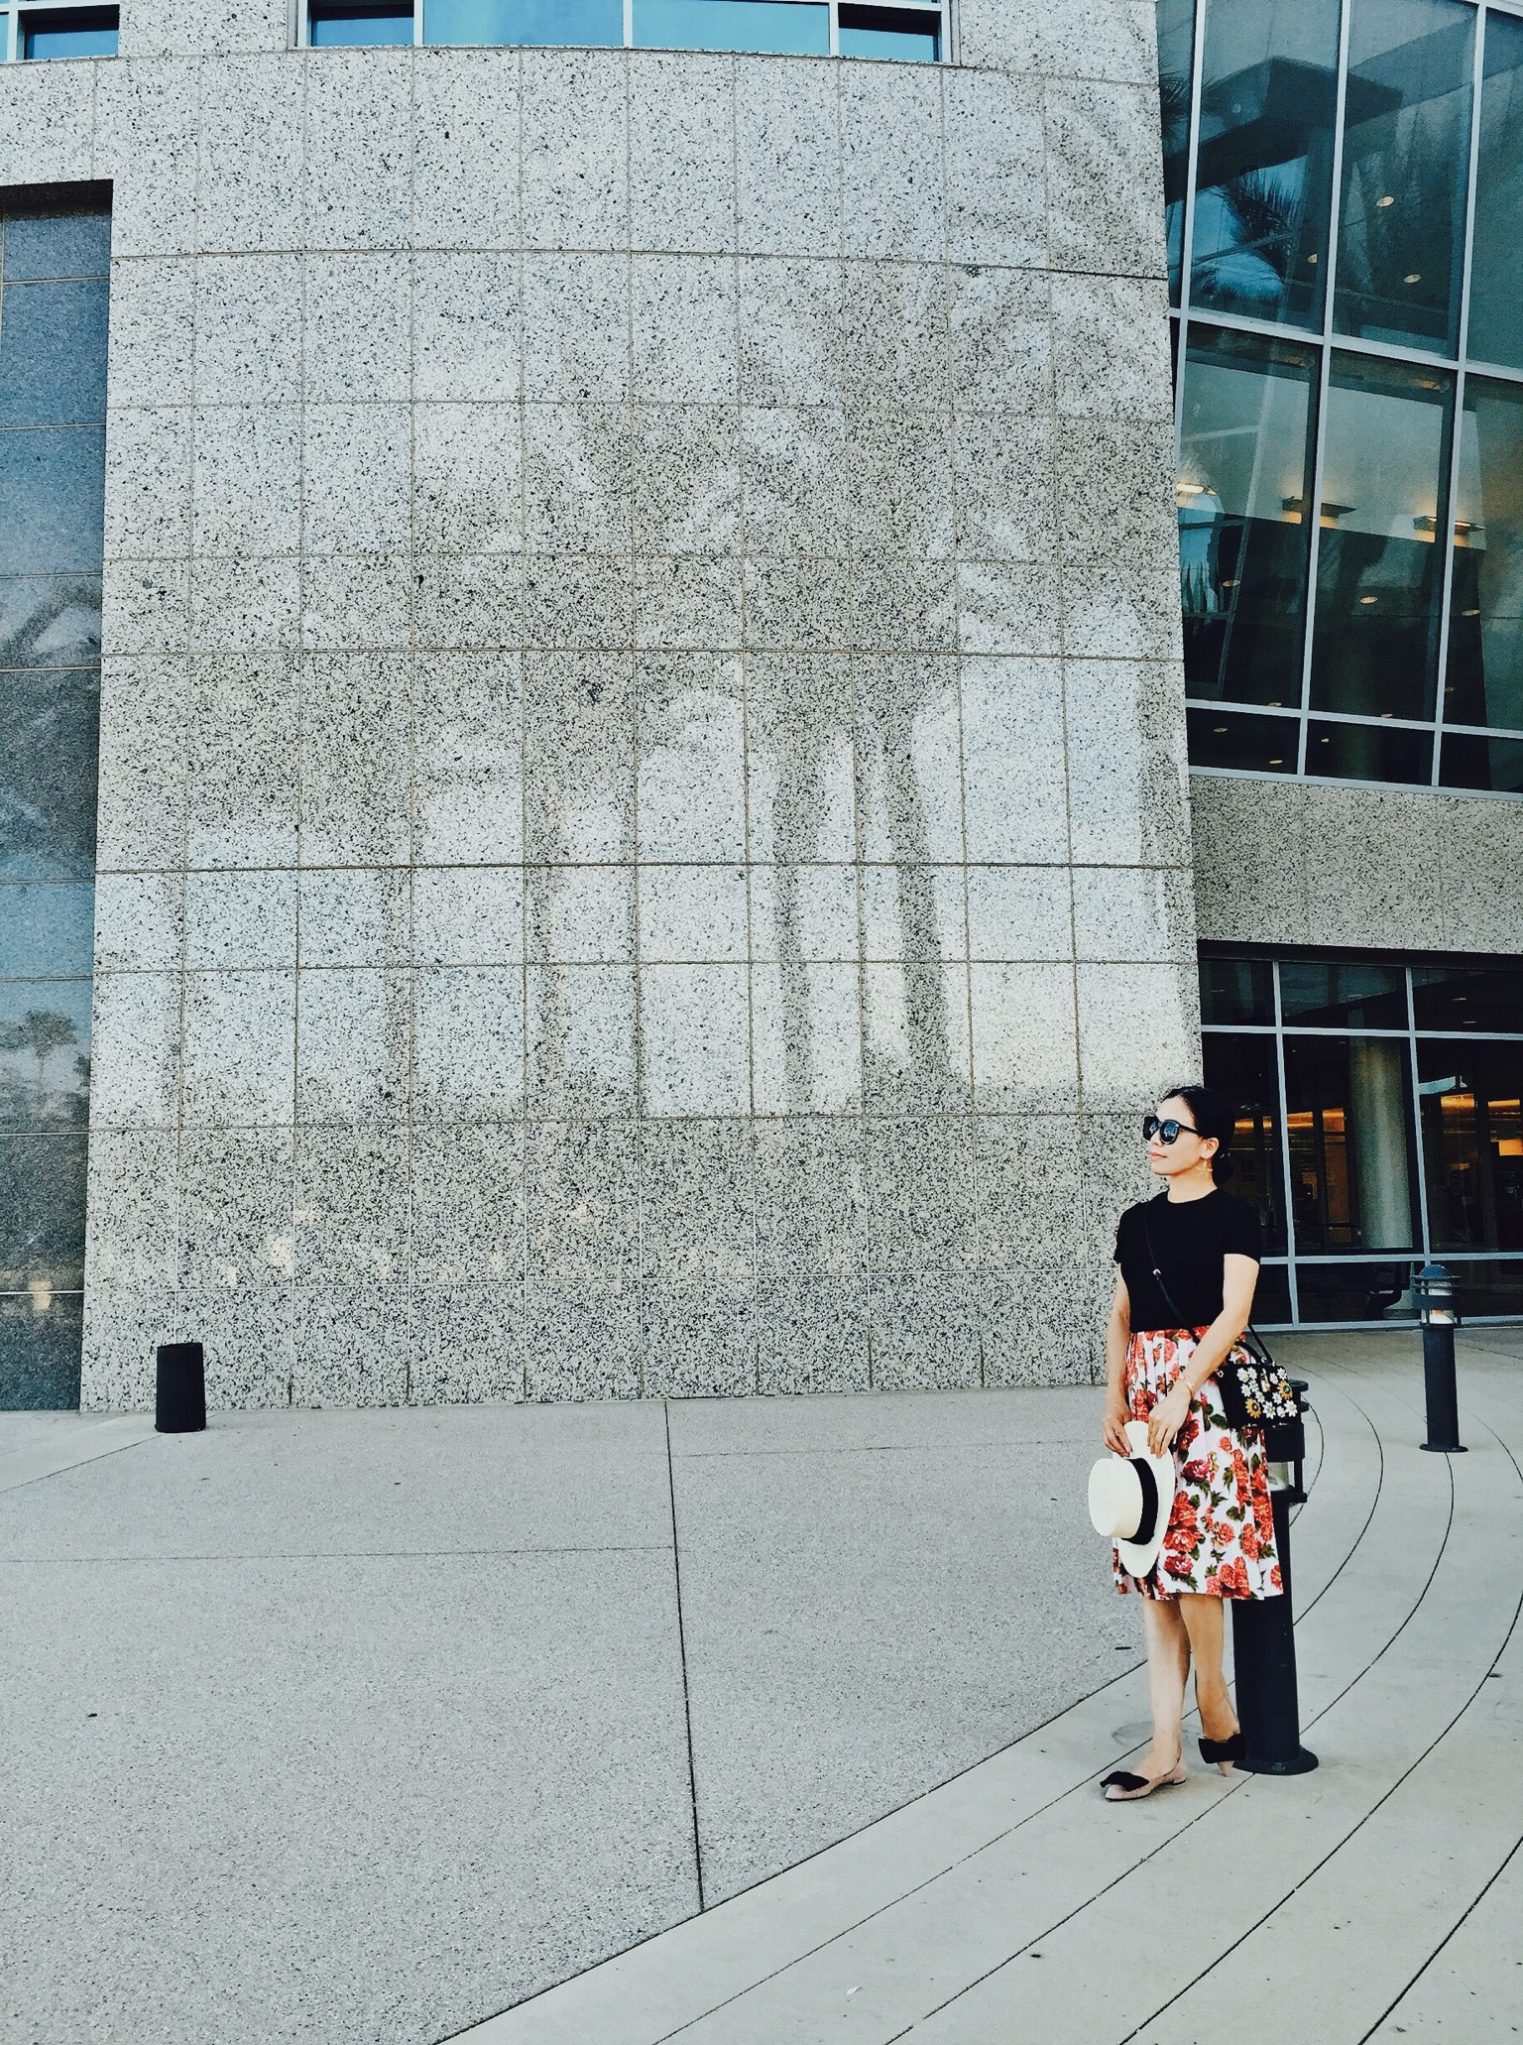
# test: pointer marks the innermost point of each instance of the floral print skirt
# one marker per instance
(1220, 1538)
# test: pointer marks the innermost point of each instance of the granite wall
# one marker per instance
(643, 825)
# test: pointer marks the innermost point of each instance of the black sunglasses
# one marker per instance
(1165, 1131)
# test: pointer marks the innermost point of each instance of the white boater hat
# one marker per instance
(1130, 1498)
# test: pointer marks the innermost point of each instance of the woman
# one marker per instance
(1163, 1344)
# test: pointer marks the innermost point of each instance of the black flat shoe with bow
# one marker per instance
(1223, 1752)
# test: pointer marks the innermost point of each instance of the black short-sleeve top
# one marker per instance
(1190, 1238)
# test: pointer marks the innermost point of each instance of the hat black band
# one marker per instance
(1147, 1519)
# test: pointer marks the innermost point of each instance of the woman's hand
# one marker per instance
(1113, 1427)
(1168, 1417)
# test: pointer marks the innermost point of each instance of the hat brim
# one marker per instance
(1138, 1557)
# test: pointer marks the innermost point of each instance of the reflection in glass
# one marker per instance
(1355, 1292)
(1244, 1069)
(1494, 763)
(44, 1054)
(1370, 752)
(1472, 1124)
(1245, 455)
(49, 620)
(1406, 150)
(1350, 994)
(88, 32)
(1253, 745)
(1348, 1117)
(39, 1349)
(332, 24)
(49, 732)
(46, 930)
(1375, 633)
(42, 1211)
(42, 244)
(1496, 323)
(1468, 997)
(52, 497)
(53, 352)
(1264, 172)
(1176, 41)
(771, 25)
(597, 22)
(1236, 990)
(1484, 679)
(888, 32)
(1488, 1285)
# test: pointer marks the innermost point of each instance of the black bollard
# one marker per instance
(1435, 1301)
(1263, 1630)
(180, 1397)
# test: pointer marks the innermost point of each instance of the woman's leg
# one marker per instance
(1202, 1618)
(1168, 1666)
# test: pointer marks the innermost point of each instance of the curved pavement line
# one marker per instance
(678, 1976)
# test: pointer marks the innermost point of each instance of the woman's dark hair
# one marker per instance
(1214, 1114)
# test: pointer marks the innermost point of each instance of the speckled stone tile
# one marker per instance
(891, 145)
(790, 330)
(356, 732)
(899, 480)
(687, 600)
(582, 1189)
(1111, 347)
(686, 495)
(582, 915)
(358, 169)
(352, 1345)
(924, 1329)
(1371, 880)
(148, 468)
(576, 312)
(811, 1196)
(134, 1050)
(996, 170)
(794, 479)
(799, 602)
(1134, 912)
(1001, 339)
(252, 108)
(353, 1044)
(352, 1206)
(1019, 913)
(141, 797)
(145, 116)
(575, 149)
(1037, 1328)
(1005, 486)
(468, 915)
(788, 159)
(244, 606)
(581, 1040)
(1480, 851)
(1027, 1169)
(124, 1324)
(468, 1043)
(899, 603)
(806, 1029)
(1023, 1038)
(891, 345)
(579, 756)
(692, 913)
(1251, 847)
(139, 921)
(354, 325)
(1115, 491)
(697, 1201)
(915, 1045)
(695, 1040)
(1104, 177)
(915, 912)
(1121, 610)
(812, 1334)
(240, 919)
(803, 913)
(685, 328)
(241, 760)
(150, 344)
(249, 1339)
(355, 916)
(246, 306)
(466, 494)
(579, 478)
(237, 1209)
(800, 724)
(468, 757)
(132, 1221)
(239, 1039)
(909, 773)
(698, 1339)
(681, 151)
(1128, 802)
(467, 325)
(145, 606)
(350, 600)
(469, 601)
(356, 478)
(581, 1341)
(1113, 1172)
(692, 757)
(1135, 1021)
(467, 1345)
(465, 138)
(247, 480)
(467, 1194)
(920, 1194)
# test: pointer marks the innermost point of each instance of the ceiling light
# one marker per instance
(1312, 257)
(1413, 277)
(1218, 729)
(1388, 200)
(1277, 763)
(1369, 600)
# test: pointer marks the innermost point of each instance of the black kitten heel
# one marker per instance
(1223, 1752)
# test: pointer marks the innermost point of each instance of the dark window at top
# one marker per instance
(1236, 990)
(72, 32)
(331, 23)
(889, 32)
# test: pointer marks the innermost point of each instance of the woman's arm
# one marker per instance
(1239, 1276)
(1118, 1332)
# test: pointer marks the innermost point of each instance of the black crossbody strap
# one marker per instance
(1168, 1297)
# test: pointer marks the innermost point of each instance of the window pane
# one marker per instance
(570, 22)
(57, 245)
(771, 25)
(49, 730)
(1330, 994)
(1236, 990)
(1176, 42)
(1406, 151)
(53, 352)
(880, 32)
(336, 26)
(84, 35)
(1472, 1121)
(1348, 1114)
(44, 1054)
(1494, 763)
(1370, 752)
(1264, 169)
(1256, 745)
(1488, 1285)
(1245, 1070)
(42, 1212)
(1356, 1292)
(52, 497)
(1468, 997)
(39, 1350)
(1484, 682)
(46, 929)
(1496, 326)
(49, 621)
(1378, 571)
(1243, 463)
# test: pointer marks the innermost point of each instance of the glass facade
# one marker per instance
(1345, 234)
(54, 271)
(41, 28)
(1379, 1125)
(910, 30)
